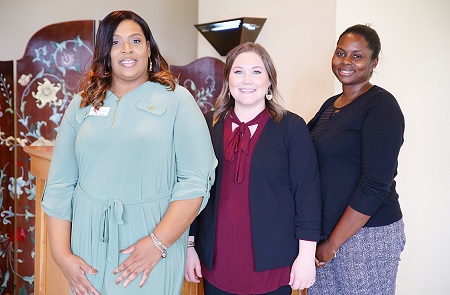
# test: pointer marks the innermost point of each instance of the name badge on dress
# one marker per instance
(102, 111)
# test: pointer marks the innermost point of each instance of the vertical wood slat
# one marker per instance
(49, 279)
(40, 245)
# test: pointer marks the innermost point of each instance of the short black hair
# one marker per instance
(369, 34)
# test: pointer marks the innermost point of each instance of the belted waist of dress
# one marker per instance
(112, 217)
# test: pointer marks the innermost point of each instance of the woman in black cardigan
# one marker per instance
(358, 134)
(258, 232)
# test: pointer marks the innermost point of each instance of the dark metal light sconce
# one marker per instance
(227, 34)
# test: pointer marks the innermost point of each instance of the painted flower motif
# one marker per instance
(67, 59)
(56, 117)
(29, 279)
(21, 141)
(28, 215)
(25, 79)
(18, 184)
(20, 233)
(5, 279)
(24, 121)
(6, 216)
(41, 141)
(46, 94)
(10, 142)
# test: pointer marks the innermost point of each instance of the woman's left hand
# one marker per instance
(143, 257)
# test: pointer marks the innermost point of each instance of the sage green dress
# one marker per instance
(114, 173)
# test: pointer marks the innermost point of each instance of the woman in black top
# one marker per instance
(358, 134)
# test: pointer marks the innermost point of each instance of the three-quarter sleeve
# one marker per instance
(63, 173)
(194, 154)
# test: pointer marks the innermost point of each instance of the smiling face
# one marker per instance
(130, 53)
(249, 82)
(352, 62)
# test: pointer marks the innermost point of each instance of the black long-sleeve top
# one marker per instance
(357, 153)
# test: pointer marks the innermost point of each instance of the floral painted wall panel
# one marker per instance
(203, 78)
(7, 232)
(48, 76)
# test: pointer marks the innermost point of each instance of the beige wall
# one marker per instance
(298, 34)
(414, 67)
(171, 22)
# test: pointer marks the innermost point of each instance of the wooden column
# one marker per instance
(48, 279)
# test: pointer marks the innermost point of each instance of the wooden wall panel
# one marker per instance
(8, 231)
(47, 79)
(203, 78)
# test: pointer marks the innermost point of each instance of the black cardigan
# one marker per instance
(285, 203)
(357, 153)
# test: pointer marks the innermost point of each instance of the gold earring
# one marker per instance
(269, 95)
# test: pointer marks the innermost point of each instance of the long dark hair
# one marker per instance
(97, 80)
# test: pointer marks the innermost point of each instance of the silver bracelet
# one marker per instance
(161, 247)
(335, 252)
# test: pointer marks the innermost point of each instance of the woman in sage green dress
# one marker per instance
(132, 167)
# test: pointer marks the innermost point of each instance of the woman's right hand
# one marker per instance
(193, 268)
(75, 269)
